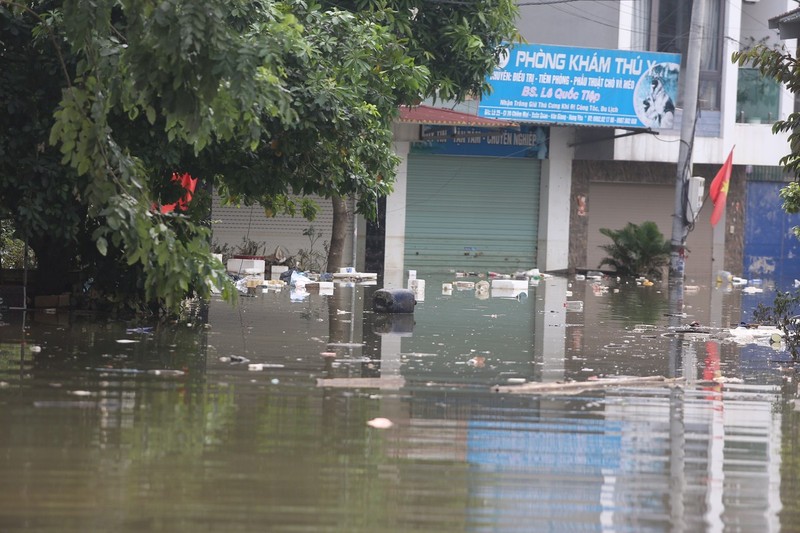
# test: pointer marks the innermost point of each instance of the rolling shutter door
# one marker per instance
(471, 213)
(231, 224)
(613, 205)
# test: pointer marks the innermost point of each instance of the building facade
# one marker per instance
(478, 195)
(489, 214)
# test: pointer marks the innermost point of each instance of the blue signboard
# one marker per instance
(526, 141)
(587, 86)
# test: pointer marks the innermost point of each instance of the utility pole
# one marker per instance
(691, 82)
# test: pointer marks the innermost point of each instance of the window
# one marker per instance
(663, 26)
(757, 97)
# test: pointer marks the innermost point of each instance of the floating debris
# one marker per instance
(380, 423)
(575, 387)
(257, 367)
(234, 359)
(147, 329)
(391, 382)
(756, 331)
(346, 344)
(166, 372)
(752, 290)
(120, 370)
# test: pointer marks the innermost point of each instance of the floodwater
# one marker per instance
(110, 426)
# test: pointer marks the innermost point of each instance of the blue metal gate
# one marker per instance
(771, 251)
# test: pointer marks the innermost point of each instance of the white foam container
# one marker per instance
(247, 266)
(277, 270)
(514, 284)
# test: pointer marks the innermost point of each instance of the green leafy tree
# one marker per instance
(636, 250)
(102, 101)
(458, 43)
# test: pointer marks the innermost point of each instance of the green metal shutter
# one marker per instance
(471, 213)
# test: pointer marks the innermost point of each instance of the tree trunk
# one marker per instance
(341, 216)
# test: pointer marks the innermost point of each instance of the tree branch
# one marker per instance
(61, 61)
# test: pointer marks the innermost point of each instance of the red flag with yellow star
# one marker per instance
(188, 183)
(719, 189)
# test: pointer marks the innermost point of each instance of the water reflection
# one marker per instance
(179, 431)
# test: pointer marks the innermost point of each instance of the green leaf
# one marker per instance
(102, 246)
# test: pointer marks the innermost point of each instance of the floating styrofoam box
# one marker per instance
(418, 287)
(277, 270)
(515, 284)
(247, 266)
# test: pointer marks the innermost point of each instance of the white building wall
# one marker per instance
(584, 23)
(554, 202)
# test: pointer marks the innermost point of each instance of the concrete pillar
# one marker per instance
(394, 248)
(554, 202)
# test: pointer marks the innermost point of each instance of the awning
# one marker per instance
(788, 24)
(436, 116)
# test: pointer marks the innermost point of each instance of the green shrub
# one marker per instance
(636, 250)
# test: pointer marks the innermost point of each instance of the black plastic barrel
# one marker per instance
(393, 301)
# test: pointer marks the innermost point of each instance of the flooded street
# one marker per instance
(262, 416)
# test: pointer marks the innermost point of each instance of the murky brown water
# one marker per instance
(176, 431)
